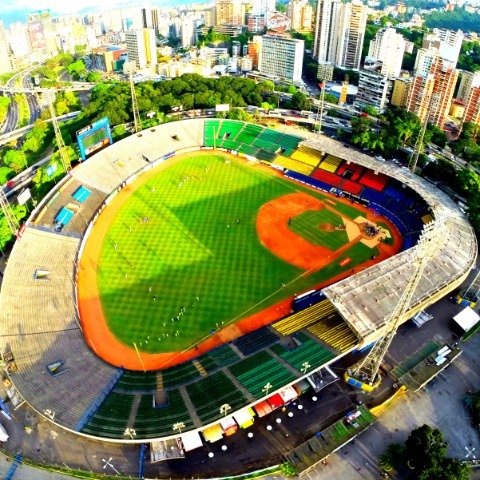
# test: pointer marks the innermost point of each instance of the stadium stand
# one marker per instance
(333, 331)
(304, 318)
(38, 322)
(209, 394)
(351, 187)
(212, 128)
(261, 368)
(329, 178)
(374, 180)
(255, 341)
(305, 155)
(330, 163)
(291, 164)
(179, 374)
(350, 171)
(306, 356)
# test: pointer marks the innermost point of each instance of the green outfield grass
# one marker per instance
(307, 225)
(183, 254)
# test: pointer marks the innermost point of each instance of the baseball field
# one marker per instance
(209, 240)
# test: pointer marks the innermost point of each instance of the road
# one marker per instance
(33, 105)
(11, 121)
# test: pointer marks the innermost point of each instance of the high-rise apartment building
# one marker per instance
(388, 47)
(254, 51)
(282, 57)
(41, 33)
(5, 64)
(472, 106)
(229, 12)
(339, 32)
(468, 81)
(432, 87)
(300, 13)
(263, 7)
(401, 90)
(374, 89)
(446, 43)
(141, 47)
(256, 23)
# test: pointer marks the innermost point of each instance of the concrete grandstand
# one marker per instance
(39, 321)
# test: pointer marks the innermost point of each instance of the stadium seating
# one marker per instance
(151, 422)
(304, 318)
(229, 129)
(249, 133)
(308, 353)
(255, 341)
(374, 180)
(210, 393)
(137, 381)
(291, 164)
(261, 368)
(179, 374)
(330, 163)
(327, 177)
(222, 356)
(380, 198)
(351, 187)
(307, 155)
(333, 331)
(212, 127)
(350, 171)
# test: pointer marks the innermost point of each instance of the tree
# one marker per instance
(77, 70)
(331, 98)
(6, 173)
(94, 77)
(15, 159)
(392, 457)
(300, 101)
(288, 469)
(4, 103)
(425, 448)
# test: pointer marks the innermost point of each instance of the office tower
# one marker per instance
(187, 29)
(5, 64)
(432, 87)
(41, 33)
(300, 14)
(374, 89)
(468, 81)
(446, 43)
(281, 57)
(339, 32)
(263, 7)
(147, 17)
(141, 47)
(388, 47)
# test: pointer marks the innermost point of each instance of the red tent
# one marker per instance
(262, 408)
(275, 401)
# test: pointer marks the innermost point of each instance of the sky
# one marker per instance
(16, 10)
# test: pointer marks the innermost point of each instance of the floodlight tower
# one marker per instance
(136, 113)
(421, 135)
(8, 214)
(58, 134)
(364, 374)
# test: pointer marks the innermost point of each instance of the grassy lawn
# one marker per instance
(183, 254)
(388, 240)
(348, 210)
(23, 110)
(307, 225)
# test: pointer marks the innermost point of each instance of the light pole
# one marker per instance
(305, 367)
(130, 432)
(266, 388)
(178, 426)
(224, 409)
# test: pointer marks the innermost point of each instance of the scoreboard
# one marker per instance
(94, 137)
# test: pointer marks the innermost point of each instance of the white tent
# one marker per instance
(3, 434)
(467, 318)
(191, 440)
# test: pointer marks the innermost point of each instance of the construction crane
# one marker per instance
(58, 134)
(136, 113)
(365, 373)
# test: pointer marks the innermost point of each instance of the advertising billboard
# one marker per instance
(278, 23)
(94, 137)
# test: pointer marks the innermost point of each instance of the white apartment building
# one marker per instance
(141, 47)
(281, 57)
(373, 89)
(339, 32)
(300, 13)
(5, 65)
(388, 47)
(446, 43)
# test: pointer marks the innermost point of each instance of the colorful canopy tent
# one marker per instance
(213, 433)
(81, 194)
(64, 216)
(191, 441)
(229, 426)
(275, 401)
(288, 394)
(244, 417)
(263, 408)
(466, 319)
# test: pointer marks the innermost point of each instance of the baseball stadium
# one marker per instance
(192, 276)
